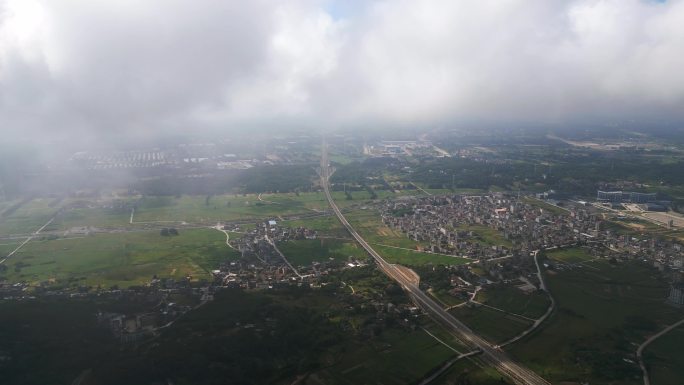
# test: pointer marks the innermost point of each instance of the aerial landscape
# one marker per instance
(320, 192)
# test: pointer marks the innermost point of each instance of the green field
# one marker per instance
(395, 357)
(304, 252)
(82, 212)
(619, 227)
(571, 255)
(543, 205)
(392, 244)
(635, 226)
(447, 299)
(443, 334)
(197, 209)
(317, 200)
(465, 370)
(91, 217)
(603, 312)
(227, 207)
(7, 247)
(370, 226)
(122, 259)
(495, 326)
(344, 159)
(29, 217)
(664, 360)
(486, 236)
(514, 300)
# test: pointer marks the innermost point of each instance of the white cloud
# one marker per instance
(148, 66)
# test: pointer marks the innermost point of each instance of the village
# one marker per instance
(515, 228)
(498, 234)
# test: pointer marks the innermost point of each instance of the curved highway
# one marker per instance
(490, 354)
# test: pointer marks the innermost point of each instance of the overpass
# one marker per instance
(491, 355)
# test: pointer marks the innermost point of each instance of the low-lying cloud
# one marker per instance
(146, 67)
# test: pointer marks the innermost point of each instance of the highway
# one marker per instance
(27, 240)
(490, 355)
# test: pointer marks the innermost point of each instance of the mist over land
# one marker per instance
(331, 192)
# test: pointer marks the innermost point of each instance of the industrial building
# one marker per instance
(625, 197)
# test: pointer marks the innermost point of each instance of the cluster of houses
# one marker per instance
(129, 328)
(263, 266)
(455, 225)
(497, 231)
(121, 160)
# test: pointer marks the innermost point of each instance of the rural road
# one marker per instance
(640, 351)
(269, 240)
(552, 305)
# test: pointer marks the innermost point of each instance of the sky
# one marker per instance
(83, 69)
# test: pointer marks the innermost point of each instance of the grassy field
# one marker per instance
(29, 217)
(447, 299)
(394, 245)
(370, 226)
(344, 159)
(465, 370)
(391, 244)
(122, 259)
(603, 313)
(619, 227)
(241, 207)
(93, 217)
(637, 227)
(629, 225)
(317, 200)
(514, 300)
(486, 236)
(664, 360)
(443, 334)
(304, 252)
(543, 205)
(494, 325)
(194, 209)
(395, 357)
(187, 208)
(571, 255)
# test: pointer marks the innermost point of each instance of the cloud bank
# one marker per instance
(128, 66)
